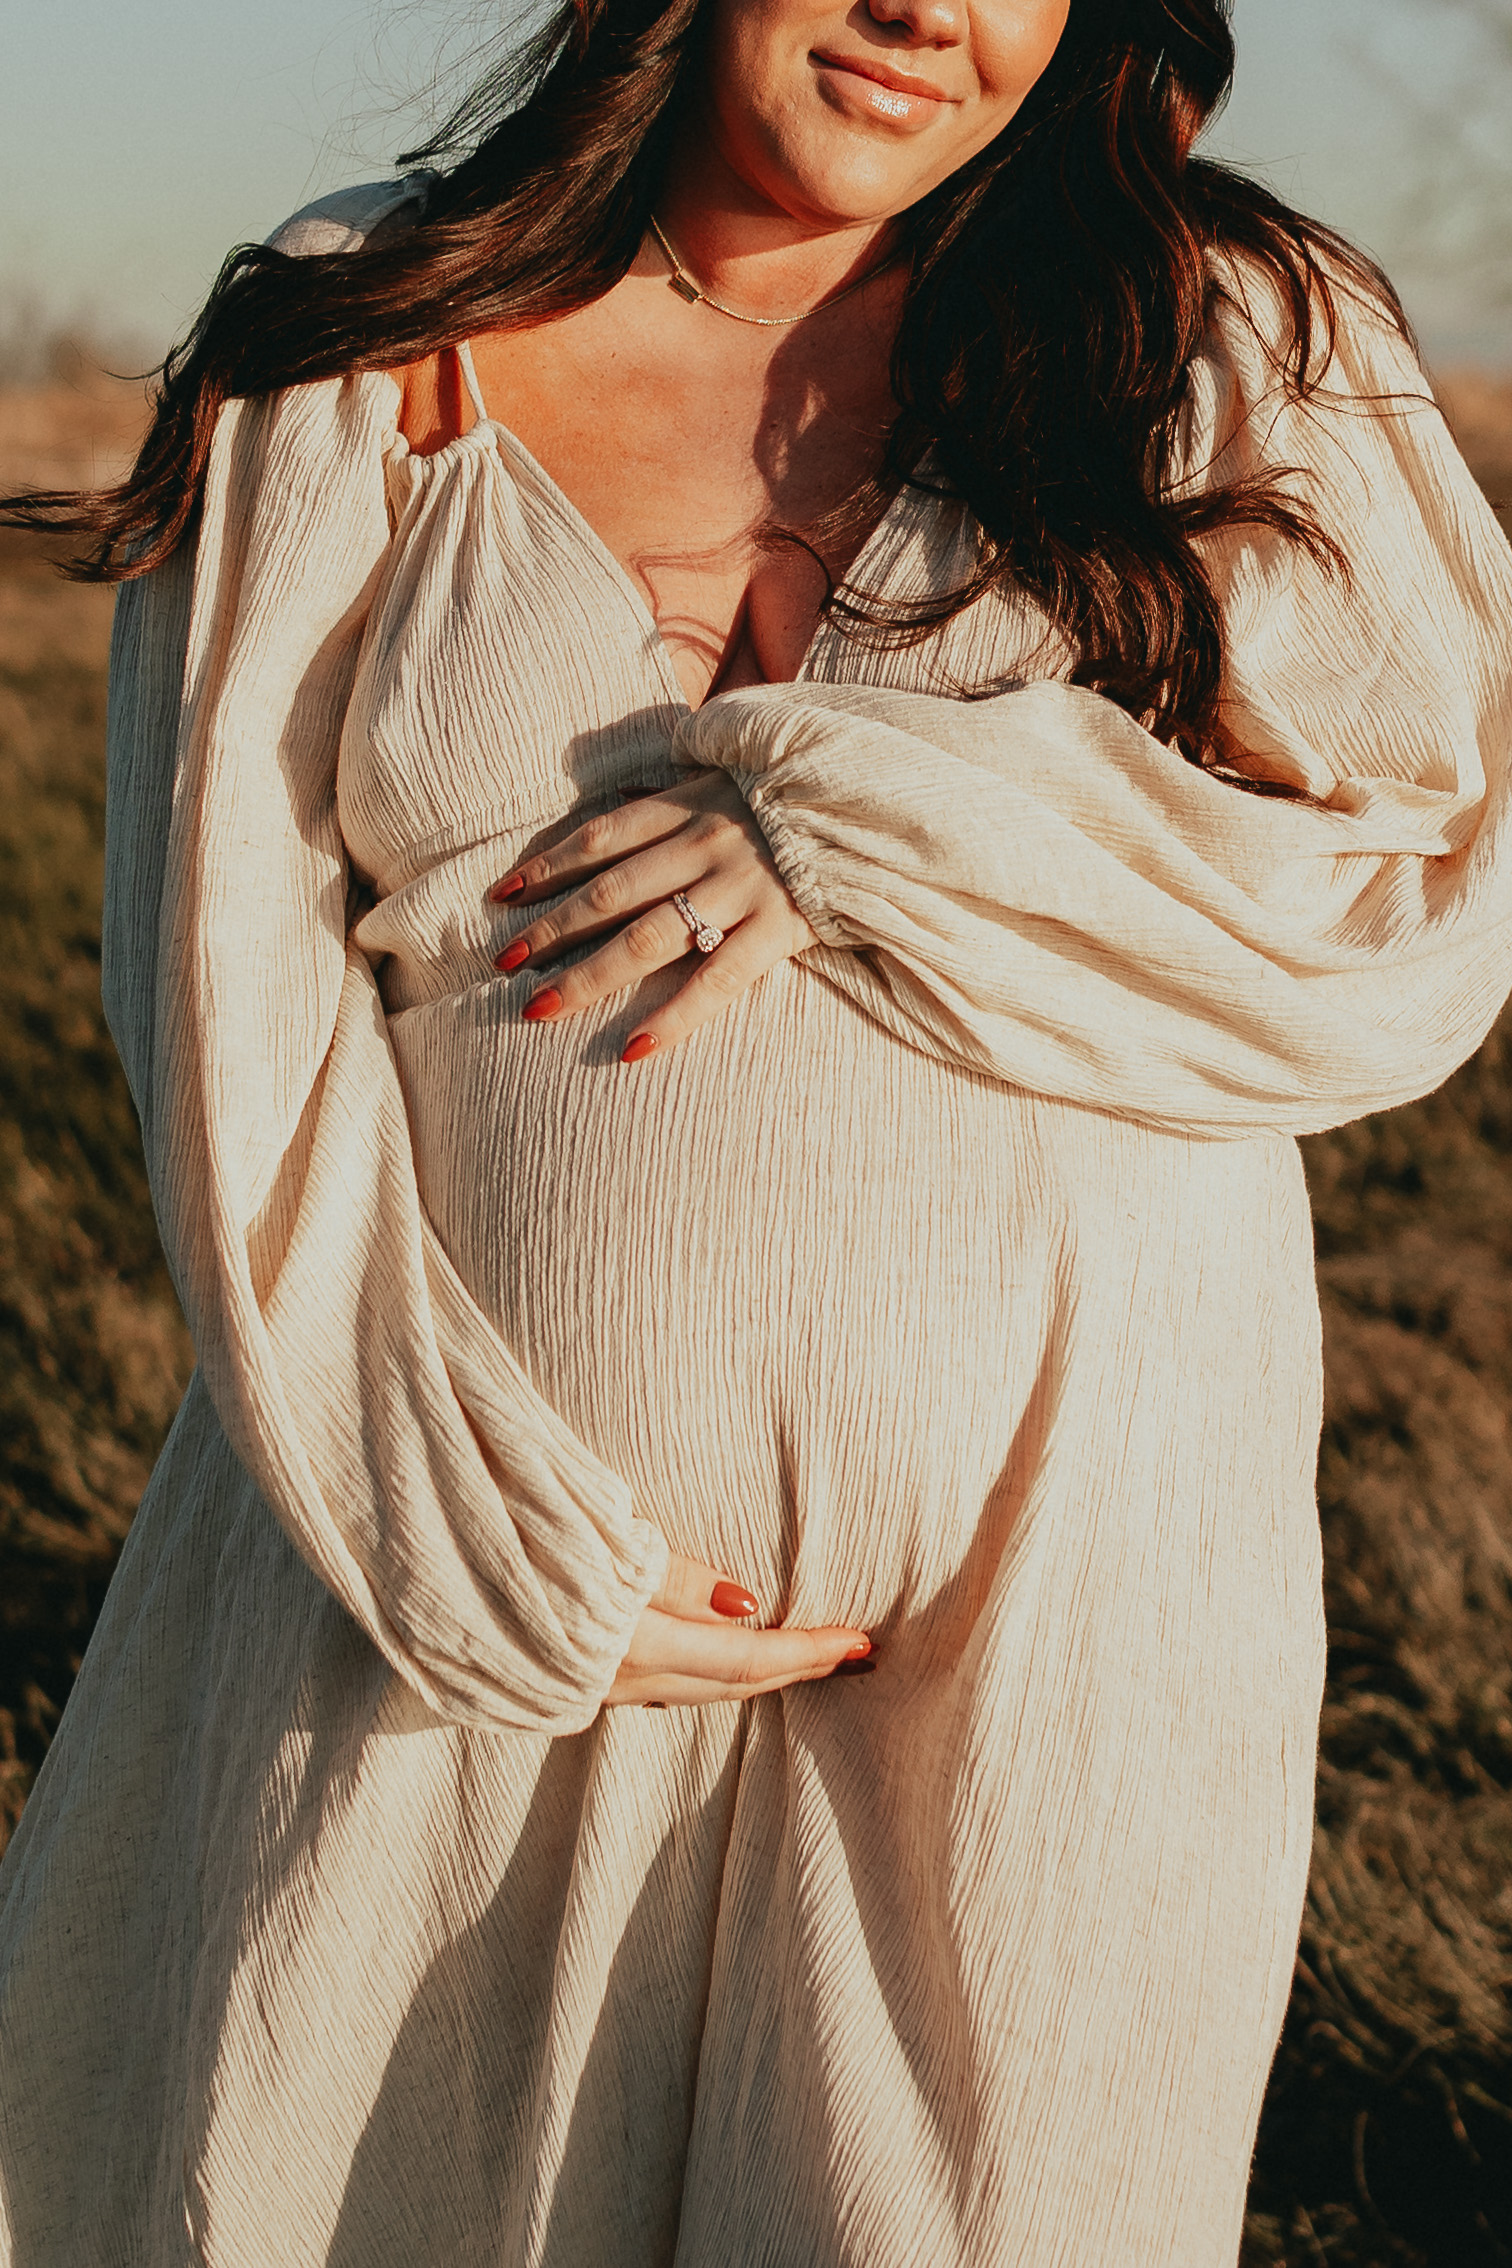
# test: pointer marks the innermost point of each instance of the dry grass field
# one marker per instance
(93, 1355)
(1387, 2138)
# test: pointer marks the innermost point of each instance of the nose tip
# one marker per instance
(928, 23)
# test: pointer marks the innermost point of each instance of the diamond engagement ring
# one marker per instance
(705, 936)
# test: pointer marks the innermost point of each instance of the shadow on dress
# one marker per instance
(812, 2157)
(497, 2137)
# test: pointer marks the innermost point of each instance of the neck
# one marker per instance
(739, 247)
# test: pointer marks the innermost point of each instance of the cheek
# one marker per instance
(752, 44)
(751, 69)
(1015, 42)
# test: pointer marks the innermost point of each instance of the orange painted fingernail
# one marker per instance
(510, 887)
(644, 1044)
(730, 1599)
(513, 955)
(541, 1006)
(857, 1652)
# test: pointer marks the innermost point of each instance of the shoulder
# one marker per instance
(1248, 400)
(1356, 324)
(276, 449)
(343, 221)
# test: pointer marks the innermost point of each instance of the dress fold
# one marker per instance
(492, 1559)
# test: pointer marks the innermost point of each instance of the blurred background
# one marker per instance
(137, 144)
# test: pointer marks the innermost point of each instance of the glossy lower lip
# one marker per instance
(888, 94)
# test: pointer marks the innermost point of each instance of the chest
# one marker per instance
(513, 678)
(716, 485)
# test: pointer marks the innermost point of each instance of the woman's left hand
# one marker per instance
(698, 838)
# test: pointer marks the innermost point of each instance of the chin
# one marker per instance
(846, 187)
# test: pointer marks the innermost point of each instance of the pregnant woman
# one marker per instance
(770, 737)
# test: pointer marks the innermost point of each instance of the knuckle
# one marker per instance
(604, 893)
(595, 835)
(643, 941)
(721, 979)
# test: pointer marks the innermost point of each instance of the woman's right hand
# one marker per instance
(687, 1650)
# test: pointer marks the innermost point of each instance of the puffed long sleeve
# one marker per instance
(1034, 886)
(495, 1562)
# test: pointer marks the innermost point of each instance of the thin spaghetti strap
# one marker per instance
(470, 380)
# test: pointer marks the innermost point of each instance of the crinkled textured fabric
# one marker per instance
(956, 1282)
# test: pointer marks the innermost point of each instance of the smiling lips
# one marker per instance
(889, 93)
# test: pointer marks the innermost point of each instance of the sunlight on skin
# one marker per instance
(823, 124)
(680, 434)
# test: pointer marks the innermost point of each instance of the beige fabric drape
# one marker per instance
(479, 1546)
(1036, 887)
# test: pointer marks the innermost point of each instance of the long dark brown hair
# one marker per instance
(1059, 286)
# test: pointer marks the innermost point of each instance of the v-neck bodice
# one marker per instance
(512, 672)
(577, 527)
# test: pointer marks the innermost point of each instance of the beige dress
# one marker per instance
(956, 1282)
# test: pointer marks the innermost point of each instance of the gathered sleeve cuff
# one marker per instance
(1034, 887)
(493, 1560)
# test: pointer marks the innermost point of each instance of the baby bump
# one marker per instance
(790, 1279)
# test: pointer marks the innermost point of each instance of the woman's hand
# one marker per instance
(685, 1651)
(698, 838)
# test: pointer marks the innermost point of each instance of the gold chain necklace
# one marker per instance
(684, 286)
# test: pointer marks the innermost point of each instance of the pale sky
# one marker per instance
(140, 139)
